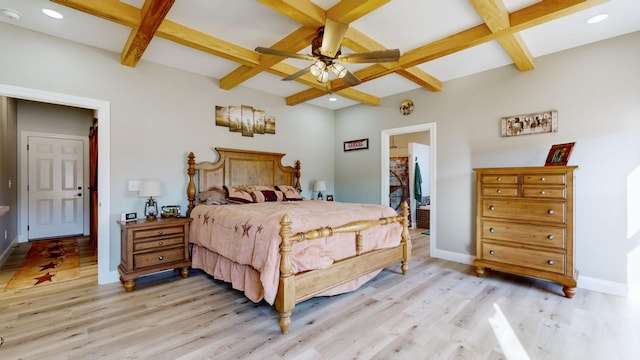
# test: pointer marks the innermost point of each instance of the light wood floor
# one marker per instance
(438, 311)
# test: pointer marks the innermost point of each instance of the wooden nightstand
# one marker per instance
(149, 246)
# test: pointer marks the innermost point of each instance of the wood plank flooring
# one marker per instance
(440, 310)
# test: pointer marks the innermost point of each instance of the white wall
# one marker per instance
(159, 114)
(596, 90)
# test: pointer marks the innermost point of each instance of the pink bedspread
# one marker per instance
(246, 240)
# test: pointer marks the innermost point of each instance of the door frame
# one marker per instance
(103, 113)
(24, 174)
(384, 176)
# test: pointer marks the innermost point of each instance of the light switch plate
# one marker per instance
(134, 185)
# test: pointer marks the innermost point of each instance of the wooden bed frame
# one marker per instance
(244, 167)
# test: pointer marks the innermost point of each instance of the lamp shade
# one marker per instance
(150, 188)
(319, 185)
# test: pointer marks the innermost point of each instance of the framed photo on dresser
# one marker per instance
(559, 154)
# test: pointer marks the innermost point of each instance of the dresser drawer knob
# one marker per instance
(542, 192)
(491, 252)
(550, 237)
(492, 207)
(161, 232)
(499, 179)
(542, 179)
(492, 230)
(499, 191)
(160, 243)
(550, 212)
(550, 262)
(160, 257)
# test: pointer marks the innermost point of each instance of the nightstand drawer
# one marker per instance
(534, 259)
(158, 257)
(160, 231)
(158, 243)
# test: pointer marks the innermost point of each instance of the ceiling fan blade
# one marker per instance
(269, 51)
(334, 32)
(351, 79)
(298, 74)
(391, 55)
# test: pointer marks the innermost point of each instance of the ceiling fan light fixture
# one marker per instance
(323, 77)
(317, 68)
(338, 69)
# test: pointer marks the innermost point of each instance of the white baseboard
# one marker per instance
(5, 254)
(453, 256)
(584, 282)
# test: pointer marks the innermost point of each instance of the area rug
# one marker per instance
(426, 232)
(47, 262)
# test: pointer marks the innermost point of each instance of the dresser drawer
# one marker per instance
(159, 231)
(544, 192)
(550, 236)
(500, 179)
(541, 260)
(158, 243)
(158, 257)
(551, 212)
(556, 179)
(500, 191)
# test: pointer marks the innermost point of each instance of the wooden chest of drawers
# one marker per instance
(152, 246)
(524, 223)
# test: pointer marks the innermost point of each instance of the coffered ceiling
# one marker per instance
(439, 40)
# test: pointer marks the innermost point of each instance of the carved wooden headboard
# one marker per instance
(239, 167)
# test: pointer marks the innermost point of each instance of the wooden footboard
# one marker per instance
(295, 288)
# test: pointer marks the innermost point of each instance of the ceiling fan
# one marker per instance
(327, 57)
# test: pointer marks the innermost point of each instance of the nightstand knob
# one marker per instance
(160, 257)
(492, 230)
(550, 262)
(542, 192)
(551, 237)
(160, 243)
(491, 252)
(550, 212)
(542, 179)
(499, 179)
(492, 207)
(161, 232)
(499, 191)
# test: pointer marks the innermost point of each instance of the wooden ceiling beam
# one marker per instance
(495, 14)
(348, 11)
(152, 14)
(536, 14)
(127, 15)
(304, 12)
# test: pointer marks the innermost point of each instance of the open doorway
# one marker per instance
(429, 130)
(102, 112)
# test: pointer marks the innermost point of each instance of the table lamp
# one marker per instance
(150, 188)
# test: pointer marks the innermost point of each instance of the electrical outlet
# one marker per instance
(134, 185)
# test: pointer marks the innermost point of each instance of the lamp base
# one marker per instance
(151, 209)
(320, 197)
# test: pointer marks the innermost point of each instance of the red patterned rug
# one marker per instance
(48, 261)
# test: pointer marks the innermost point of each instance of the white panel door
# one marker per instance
(56, 206)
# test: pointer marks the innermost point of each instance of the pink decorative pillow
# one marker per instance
(237, 195)
(290, 193)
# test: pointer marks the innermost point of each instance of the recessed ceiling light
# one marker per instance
(597, 18)
(52, 13)
(10, 14)
(333, 98)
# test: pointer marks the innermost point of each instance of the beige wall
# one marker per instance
(159, 114)
(596, 90)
